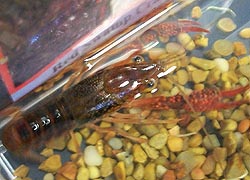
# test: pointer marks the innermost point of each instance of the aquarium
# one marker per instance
(167, 99)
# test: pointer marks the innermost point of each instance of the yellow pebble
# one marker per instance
(195, 140)
(107, 167)
(93, 138)
(204, 64)
(85, 132)
(244, 60)
(197, 124)
(175, 144)
(149, 172)
(139, 171)
(214, 76)
(100, 147)
(196, 12)
(94, 172)
(186, 41)
(138, 153)
(52, 164)
(57, 143)
(68, 170)
(199, 76)
(182, 76)
(174, 48)
(201, 40)
(21, 171)
(245, 33)
(229, 76)
(209, 165)
(151, 152)
(158, 141)
(200, 159)
(155, 53)
(82, 174)
(233, 63)
(228, 125)
(47, 152)
(199, 86)
(165, 84)
(212, 114)
(198, 150)
(120, 171)
(75, 142)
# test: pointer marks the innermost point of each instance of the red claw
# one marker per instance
(197, 101)
(230, 93)
(194, 29)
(176, 27)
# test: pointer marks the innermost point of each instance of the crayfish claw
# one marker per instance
(228, 105)
(233, 92)
(194, 29)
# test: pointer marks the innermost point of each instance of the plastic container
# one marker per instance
(196, 133)
(39, 39)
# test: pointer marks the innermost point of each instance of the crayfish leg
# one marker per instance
(185, 120)
(136, 119)
(117, 131)
(157, 103)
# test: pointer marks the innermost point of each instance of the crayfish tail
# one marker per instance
(27, 155)
(33, 156)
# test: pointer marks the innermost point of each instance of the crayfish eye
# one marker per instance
(150, 85)
(138, 59)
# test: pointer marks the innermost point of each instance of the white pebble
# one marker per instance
(222, 64)
(92, 157)
(115, 143)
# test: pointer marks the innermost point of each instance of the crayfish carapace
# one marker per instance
(93, 97)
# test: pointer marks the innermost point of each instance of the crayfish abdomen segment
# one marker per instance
(28, 132)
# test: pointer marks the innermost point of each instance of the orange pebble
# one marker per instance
(169, 175)
(239, 48)
(197, 173)
(243, 125)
